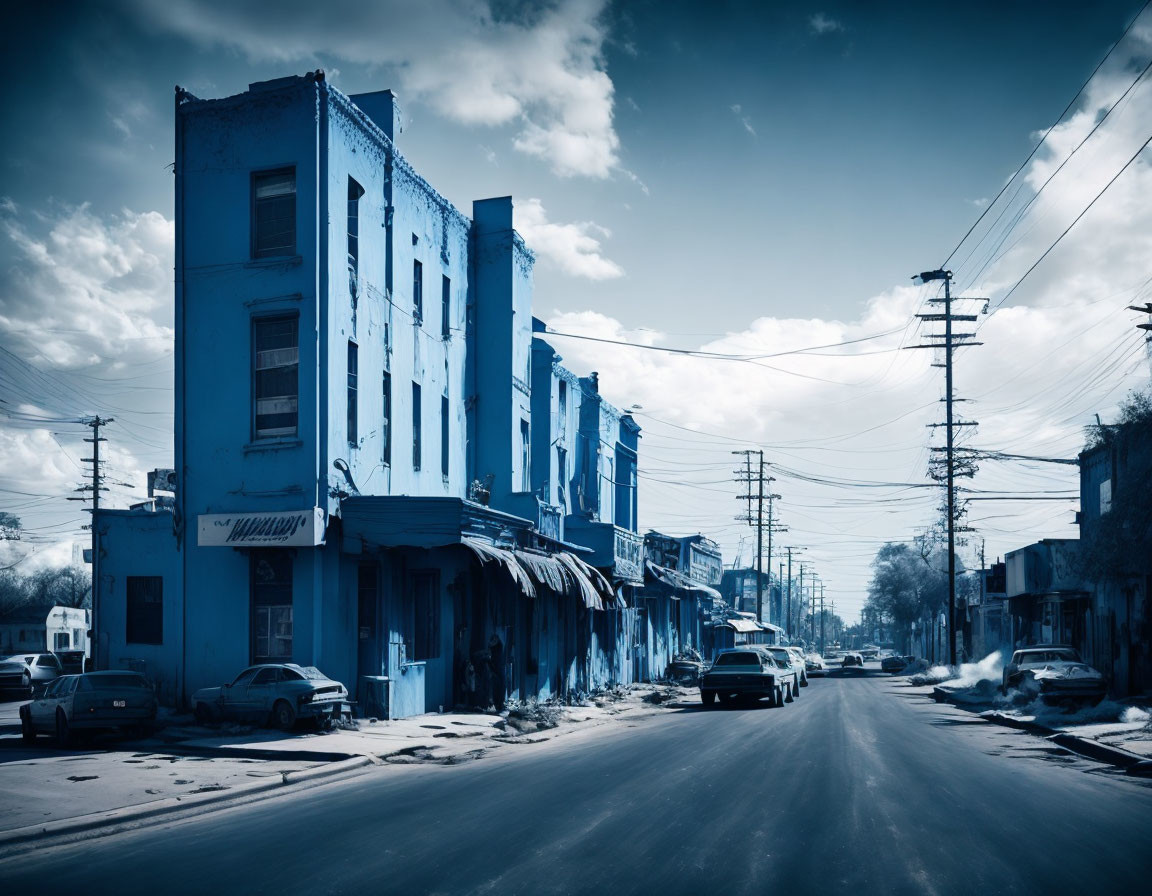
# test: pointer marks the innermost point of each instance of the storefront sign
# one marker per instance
(291, 528)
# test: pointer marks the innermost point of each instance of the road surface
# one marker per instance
(853, 789)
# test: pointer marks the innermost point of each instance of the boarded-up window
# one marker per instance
(274, 213)
(275, 377)
(145, 610)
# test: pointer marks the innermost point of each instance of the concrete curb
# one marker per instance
(157, 808)
(1132, 763)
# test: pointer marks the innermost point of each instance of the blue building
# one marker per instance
(378, 470)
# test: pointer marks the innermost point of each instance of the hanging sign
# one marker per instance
(288, 528)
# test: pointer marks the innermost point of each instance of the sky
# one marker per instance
(752, 180)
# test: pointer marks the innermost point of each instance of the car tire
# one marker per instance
(27, 729)
(708, 698)
(283, 715)
(204, 714)
(64, 735)
(725, 699)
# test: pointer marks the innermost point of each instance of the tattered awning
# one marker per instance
(561, 572)
(677, 581)
(742, 625)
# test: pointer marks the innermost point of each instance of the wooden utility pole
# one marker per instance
(94, 491)
(748, 477)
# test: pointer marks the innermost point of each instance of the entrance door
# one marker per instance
(368, 659)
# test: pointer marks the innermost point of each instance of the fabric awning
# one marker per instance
(744, 626)
(677, 581)
(561, 572)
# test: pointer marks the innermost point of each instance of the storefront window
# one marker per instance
(271, 596)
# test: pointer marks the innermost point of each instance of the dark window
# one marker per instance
(444, 435)
(353, 368)
(145, 611)
(561, 475)
(274, 213)
(271, 599)
(267, 676)
(386, 424)
(417, 291)
(424, 615)
(563, 401)
(275, 379)
(525, 458)
(355, 191)
(446, 308)
(738, 659)
(366, 598)
(416, 426)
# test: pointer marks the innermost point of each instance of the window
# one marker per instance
(274, 213)
(446, 307)
(444, 435)
(386, 424)
(271, 603)
(415, 426)
(61, 641)
(355, 191)
(561, 476)
(563, 401)
(353, 366)
(275, 380)
(417, 292)
(145, 610)
(525, 458)
(423, 615)
(267, 676)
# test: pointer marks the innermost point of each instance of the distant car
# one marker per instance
(1054, 672)
(794, 661)
(15, 677)
(895, 664)
(684, 672)
(748, 672)
(869, 653)
(44, 667)
(814, 664)
(803, 665)
(852, 659)
(280, 693)
(115, 700)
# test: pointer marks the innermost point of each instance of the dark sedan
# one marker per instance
(896, 664)
(748, 673)
(111, 700)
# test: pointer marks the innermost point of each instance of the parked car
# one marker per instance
(814, 664)
(684, 672)
(94, 700)
(895, 664)
(852, 659)
(1055, 672)
(44, 667)
(796, 663)
(748, 672)
(280, 693)
(799, 655)
(15, 677)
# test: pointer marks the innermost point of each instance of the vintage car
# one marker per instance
(748, 673)
(895, 664)
(795, 662)
(1053, 672)
(684, 672)
(798, 654)
(15, 677)
(280, 693)
(814, 664)
(113, 700)
(851, 660)
(43, 667)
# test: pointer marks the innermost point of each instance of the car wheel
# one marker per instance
(27, 729)
(789, 696)
(283, 715)
(725, 699)
(64, 737)
(708, 698)
(203, 713)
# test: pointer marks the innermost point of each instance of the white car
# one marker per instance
(799, 654)
(43, 668)
(1055, 672)
(794, 660)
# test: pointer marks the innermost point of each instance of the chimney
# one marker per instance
(382, 108)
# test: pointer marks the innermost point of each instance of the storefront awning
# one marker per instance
(561, 572)
(744, 626)
(677, 581)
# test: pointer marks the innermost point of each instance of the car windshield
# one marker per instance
(313, 674)
(1050, 656)
(738, 659)
(116, 681)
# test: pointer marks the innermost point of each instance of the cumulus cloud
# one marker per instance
(83, 289)
(541, 67)
(574, 248)
(824, 24)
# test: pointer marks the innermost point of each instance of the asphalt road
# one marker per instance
(853, 789)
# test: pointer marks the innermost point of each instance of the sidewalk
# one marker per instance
(50, 791)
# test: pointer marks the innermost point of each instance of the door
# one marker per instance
(261, 693)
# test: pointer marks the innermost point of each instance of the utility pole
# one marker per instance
(95, 489)
(952, 341)
(800, 602)
(1147, 328)
(747, 477)
(821, 618)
